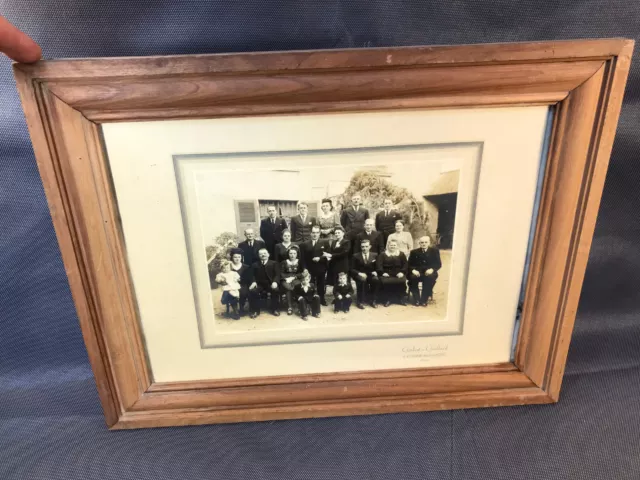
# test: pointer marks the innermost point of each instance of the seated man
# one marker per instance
(307, 296)
(363, 271)
(424, 263)
(342, 293)
(265, 278)
(375, 238)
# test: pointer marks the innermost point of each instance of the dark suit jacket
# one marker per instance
(300, 231)
(265, 275)
(249, 254)
(339, 256)
(376, 239)
(271, 233)
(419, 260)
(307, 252)
(343, 289)
(358, 265)
(387, 223)
(352, 221)
(308, 295)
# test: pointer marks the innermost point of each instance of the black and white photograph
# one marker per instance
(339, 244)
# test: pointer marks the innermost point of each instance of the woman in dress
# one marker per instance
(245, 280)
(403, 239)
(392, 271)
(338, 256)
(328, 220)
(281, 250)
(290, 274)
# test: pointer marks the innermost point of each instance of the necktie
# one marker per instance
(313, 243)
(251, 243)
(366, 259)
(386, 213)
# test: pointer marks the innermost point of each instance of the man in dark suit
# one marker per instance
(363, 271)
(375, 238)
(424, 263)
(250, 247)
(386, 220)
(314, 259)
(353, 218)
(271, 229)
(265, 278)
(301, 224)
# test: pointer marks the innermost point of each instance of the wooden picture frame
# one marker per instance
(66, 101)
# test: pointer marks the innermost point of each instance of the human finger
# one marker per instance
(17, 45)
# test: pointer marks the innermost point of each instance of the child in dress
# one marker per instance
(342, 294)
(230, 281)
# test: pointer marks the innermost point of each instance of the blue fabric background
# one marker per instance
(51, 424)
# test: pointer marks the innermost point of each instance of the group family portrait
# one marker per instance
(374, 246)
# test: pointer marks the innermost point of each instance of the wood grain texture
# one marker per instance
(331, 377)
(580, 150)
(559, 216)
(349, 59)
(365, 406)
(64, 102)
(323, 391)
(38, 122)
(77, 145)
(324, 91)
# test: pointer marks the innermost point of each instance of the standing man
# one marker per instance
(363, 271)
(353, 218)
(314, 259)
(386, 220)
(265, 278)
(250, 247)
(424, 263)
(301, 224)
(375, 238)
(271, 229)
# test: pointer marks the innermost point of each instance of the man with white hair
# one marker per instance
(424, 263)
(265, 281)
(250, 247)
